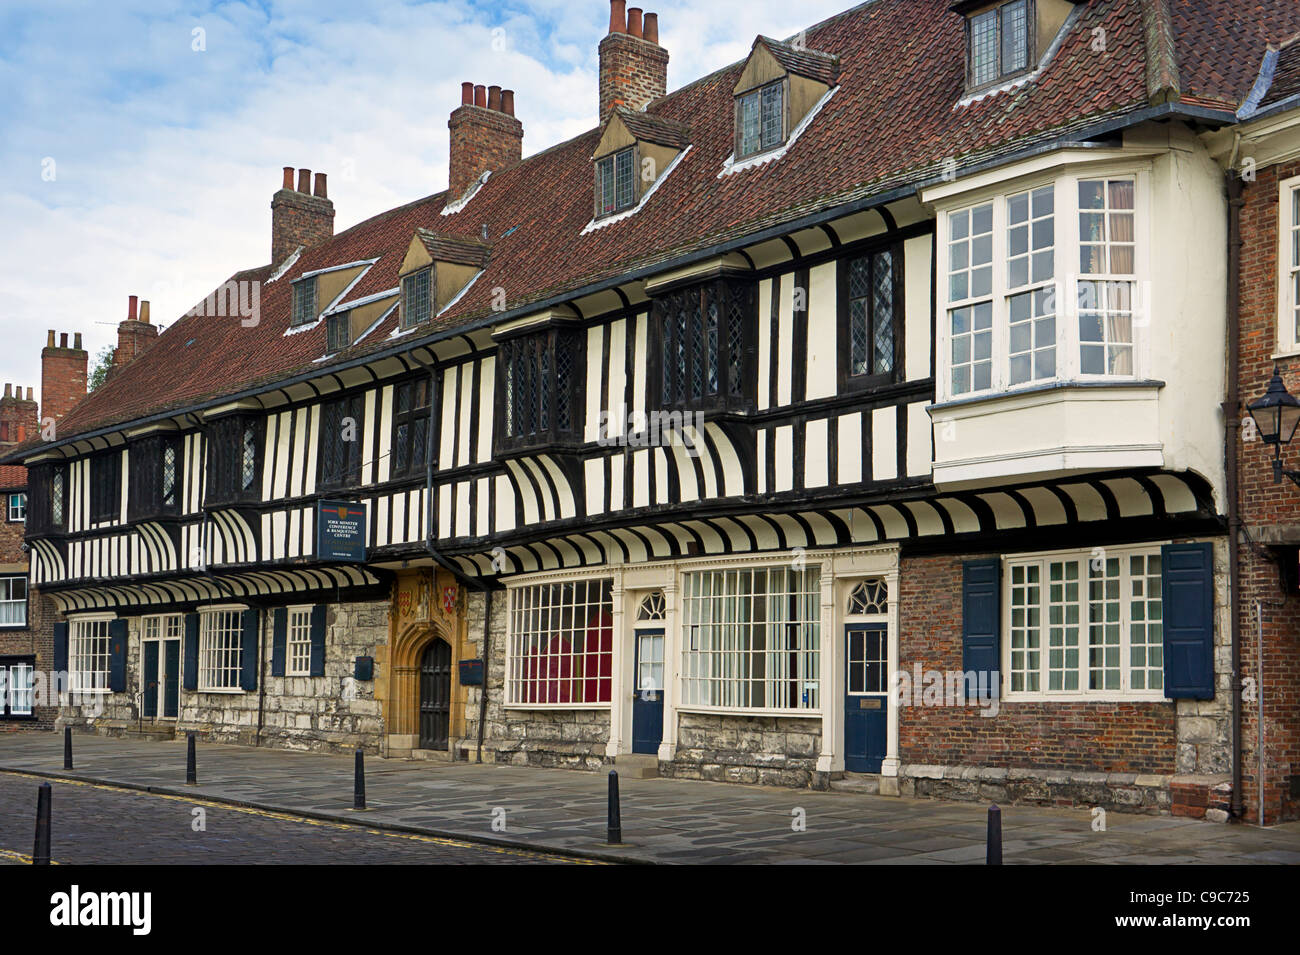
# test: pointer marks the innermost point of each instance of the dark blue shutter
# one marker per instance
(61, 648)
(318, 640)
(981, 623)
(190, 676)
(117, 656)
(279, 631)
(1187, 597)
(249, 654)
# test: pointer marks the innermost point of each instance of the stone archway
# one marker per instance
(425, 608)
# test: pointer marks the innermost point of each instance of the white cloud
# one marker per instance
(166, 158)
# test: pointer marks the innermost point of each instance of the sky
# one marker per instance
(141, 142)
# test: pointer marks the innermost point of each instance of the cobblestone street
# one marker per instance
(94, 824)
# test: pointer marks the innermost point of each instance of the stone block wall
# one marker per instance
(769, 750)
(567, 739)
(330, 713)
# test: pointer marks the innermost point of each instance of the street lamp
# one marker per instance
(1276, 416)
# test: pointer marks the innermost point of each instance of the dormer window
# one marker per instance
(436, 270)
(417, 298)
(780, 89)
(338, 332)
(760, 120)
(616, 182)
(999, 42)
(635, 151)
(304, 301)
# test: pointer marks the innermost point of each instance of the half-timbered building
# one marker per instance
(851, 410)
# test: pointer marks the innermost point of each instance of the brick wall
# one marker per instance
(1264, 504)
(298, 219)
(482, 140)
(633, 72)
(63, 375)
(1084, 737)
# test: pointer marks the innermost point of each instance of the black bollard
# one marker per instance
(615, 822)
(191, 767)
(359, 782)
(993, 855)
(41, 854)
(67, 747)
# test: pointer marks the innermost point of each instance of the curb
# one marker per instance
(349, 820)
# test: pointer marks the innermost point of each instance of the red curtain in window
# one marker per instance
(597, 661)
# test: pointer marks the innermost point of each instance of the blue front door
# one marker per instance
(866, 705)
(150, 679)
(648, 699)
(171, 678)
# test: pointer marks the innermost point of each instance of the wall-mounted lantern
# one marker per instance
(1276, 416)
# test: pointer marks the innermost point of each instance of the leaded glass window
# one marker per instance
(540, 382)
(304, 301)
(616, 182)
(705, 336)
(760, 120)
(411, 408)
(999, 42)
(417, 297)
(870, 290)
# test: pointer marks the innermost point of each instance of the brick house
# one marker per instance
(849, 417)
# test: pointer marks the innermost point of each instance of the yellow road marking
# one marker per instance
(303, 820)
(19, 857)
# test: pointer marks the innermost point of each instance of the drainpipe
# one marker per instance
(1259, 651)
(451, 567)
(1232, 424)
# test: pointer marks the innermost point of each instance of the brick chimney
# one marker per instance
(133, 335)
(63, 376)
(18, 418)
(633, 66)
(299, 217)
(485, 136)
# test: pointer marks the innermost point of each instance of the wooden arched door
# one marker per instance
(435, 694)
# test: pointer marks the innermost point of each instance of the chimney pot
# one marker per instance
(650, 28)
(320, 186)
(144, 312)
(480, 95)
(304, 181)
(131, 307)
(466, 94)
(63, 339)
(9, 391)
(617, 16)
(76, 341)
(49, 339)
(288, 177)
(508, 102)
(29, 393)
(494, 98)
(634, 21)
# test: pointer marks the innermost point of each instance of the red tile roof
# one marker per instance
(12, 477)
(894, 122)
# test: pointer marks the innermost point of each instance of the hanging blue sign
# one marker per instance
(340, 531)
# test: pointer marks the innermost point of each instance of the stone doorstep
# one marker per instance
(637, 765)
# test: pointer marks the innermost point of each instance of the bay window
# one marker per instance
(751, 638)
(539, 392)
(1086, 623)
(1041, 286)
(561, 644)
(705, 336)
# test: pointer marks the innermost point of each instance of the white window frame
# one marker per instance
(17, 512)
(15, 690)
(1066, 279)
(17, 604)
(79, 647)
(705, 690)
(206, 664)
(1083, 694)
(297, 641)
(517, 678)
(1288, 305)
